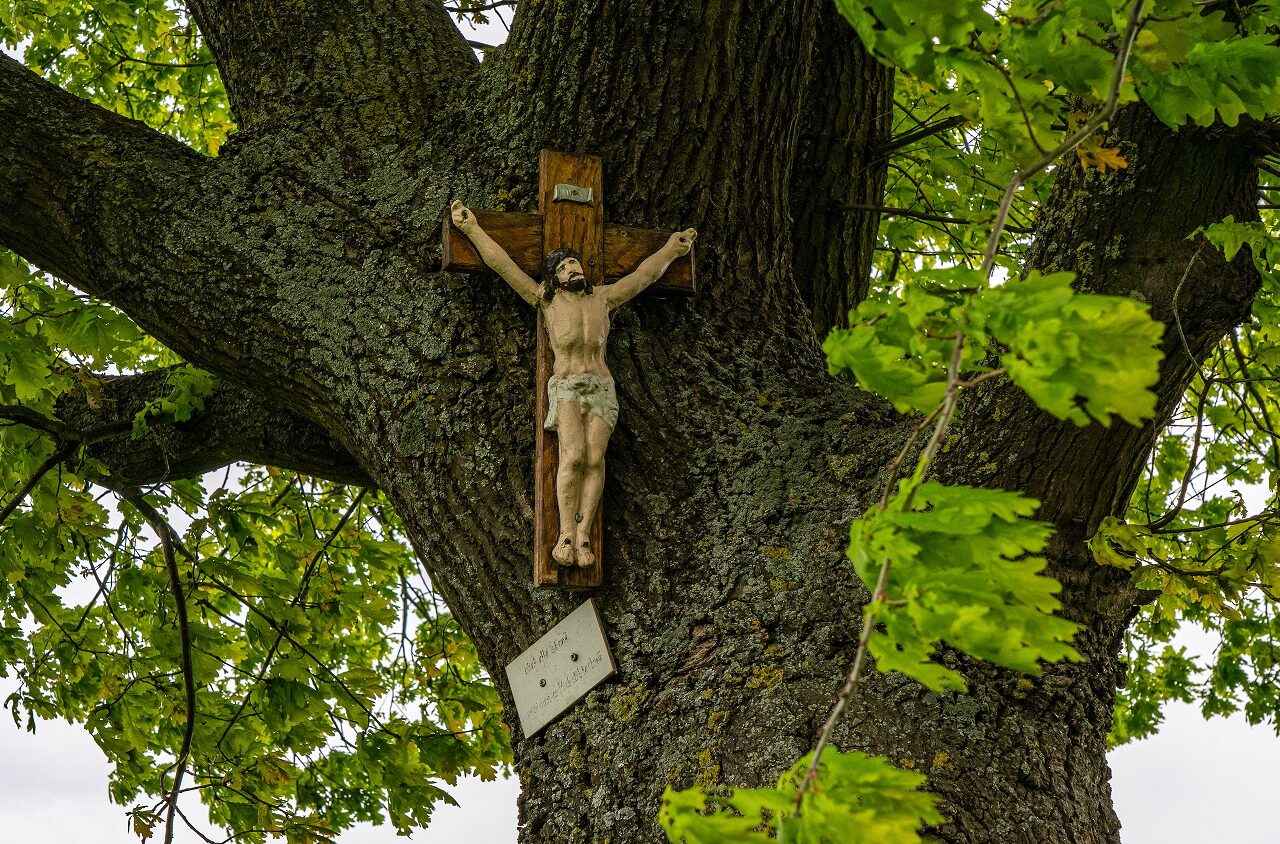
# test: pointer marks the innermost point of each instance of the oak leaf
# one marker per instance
(1093, 154)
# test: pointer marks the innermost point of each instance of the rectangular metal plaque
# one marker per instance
(558, 669)
(573, 193)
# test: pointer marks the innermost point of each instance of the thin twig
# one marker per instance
(1191, 465)
(896, 466)
(878, 594)
(1074, 140)
(278, 626)
(921, 215)
(165, 533)
(1177, 291)
(978, 379)
(1262, 518)
(1257, 397)
(193, 828)
(297, 599)
(950, 399)
(927, 130)
(1017, 98)
(176, 65)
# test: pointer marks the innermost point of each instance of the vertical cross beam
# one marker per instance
(565, 222)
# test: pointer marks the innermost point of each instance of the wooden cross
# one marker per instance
(570, 213)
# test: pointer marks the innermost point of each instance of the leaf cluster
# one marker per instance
(143, 59)
(1082, 357)
(963, 571)
(331, 687)
(1200, 534)
(859, 799)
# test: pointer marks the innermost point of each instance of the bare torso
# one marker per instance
(578, 328)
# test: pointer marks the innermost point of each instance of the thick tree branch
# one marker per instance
(184, 245)
(236, 425)
(70, 175)
(1124, 233)
(376, 65)
(125, 214)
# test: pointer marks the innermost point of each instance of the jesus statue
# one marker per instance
(582, 404)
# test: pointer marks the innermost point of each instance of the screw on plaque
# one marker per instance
(542, 683)
(573, 657)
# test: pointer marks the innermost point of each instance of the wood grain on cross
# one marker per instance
(608, 250)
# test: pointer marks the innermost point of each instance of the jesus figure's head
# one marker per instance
(562, 268)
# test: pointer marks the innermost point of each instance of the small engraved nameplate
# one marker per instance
(558, 669)
(573, 193)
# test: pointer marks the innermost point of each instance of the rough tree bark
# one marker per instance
(299, 266)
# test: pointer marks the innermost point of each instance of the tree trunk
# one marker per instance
(306, 276)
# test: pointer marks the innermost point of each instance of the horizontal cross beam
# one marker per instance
(521, 235)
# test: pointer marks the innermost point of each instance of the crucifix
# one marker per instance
(569, 244)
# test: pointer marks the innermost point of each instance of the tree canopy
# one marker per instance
(267, 636)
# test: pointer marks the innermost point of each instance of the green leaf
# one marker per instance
(26, 368)
(903, 346)
(1082, 357)
(961, 571)
(856, 798)
(883, 369)
(1213, 80)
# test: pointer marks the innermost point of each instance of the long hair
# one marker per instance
(549, 266)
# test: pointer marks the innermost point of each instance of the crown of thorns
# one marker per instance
(556, 256)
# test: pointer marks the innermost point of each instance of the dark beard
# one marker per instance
(578, 284)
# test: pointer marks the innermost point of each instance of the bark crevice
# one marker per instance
(370, 67)
(839, 164)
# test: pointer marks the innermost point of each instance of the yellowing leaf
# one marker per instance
(1092, 154)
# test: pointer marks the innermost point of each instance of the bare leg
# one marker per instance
(597, 440)
(568, 478)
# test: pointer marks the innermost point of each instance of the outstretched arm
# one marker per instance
(492, 254)
(651, 268)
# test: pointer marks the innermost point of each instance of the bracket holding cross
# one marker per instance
(570, 213)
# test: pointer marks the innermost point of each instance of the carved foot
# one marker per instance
(563, 552)
(586, 559)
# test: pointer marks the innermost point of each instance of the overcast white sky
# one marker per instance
(1197, 781)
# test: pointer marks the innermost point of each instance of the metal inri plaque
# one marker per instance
(558, 669)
